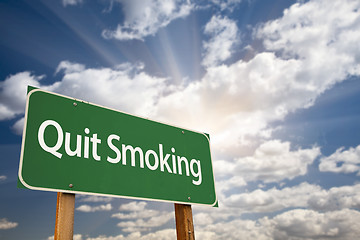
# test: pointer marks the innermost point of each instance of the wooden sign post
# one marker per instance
(184, 222)
(64, 223)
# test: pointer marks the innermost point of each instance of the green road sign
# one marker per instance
(74, 146)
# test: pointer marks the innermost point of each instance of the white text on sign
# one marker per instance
(151, 159)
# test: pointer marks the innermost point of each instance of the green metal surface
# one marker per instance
(99, 167)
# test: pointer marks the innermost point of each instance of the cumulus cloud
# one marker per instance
(223, 34)
(273, 199)
(309, 224)
(123, 88)
(304, 195)
(69, 67)
(133, 206)
(238, 102)
(18, 126)
(335, 198)
(144, 18)
(330, 29)
(88, 208)
(136, 214)
(164, 234)
(144, 224)
(13, 93)
(140, 219)
(247, 94)
(3, 178)
(342, 161)
(295, 224)
(232, 183)
(247, 229)
(273, 161)
(6, 224)
(236, 205)
(109, 87)
(235, 103)
(226, 4)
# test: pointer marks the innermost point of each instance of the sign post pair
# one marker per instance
(75, 147)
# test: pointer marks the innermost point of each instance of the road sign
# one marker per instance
(77, 147)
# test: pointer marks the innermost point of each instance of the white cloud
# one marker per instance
(342, 161)
(139, 218)
(71, 2)
(247, 229)
(224, 223)
(233, 103)
(203, 219)
(335, 198)
(309, 224)
(133, 206)
(224, 35)
(125, 88)
(144, 18)
(164, 234)
(291, 225)
(235, 205)
(13, 93)
(88, 208)
(226, 4)
(222, 168)
(2, 178)
(273, 161)
(231, 183)
(144, 224)
(5, 224)
(236, 103)
(323, 36)
(146, 213)
(248, 94)
(304, 195)
(19, 126)
(69, 67)
(273, 199)
(77, 237)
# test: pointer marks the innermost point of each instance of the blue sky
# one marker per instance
(274, 83)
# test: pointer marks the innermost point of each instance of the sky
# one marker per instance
(274, 83)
